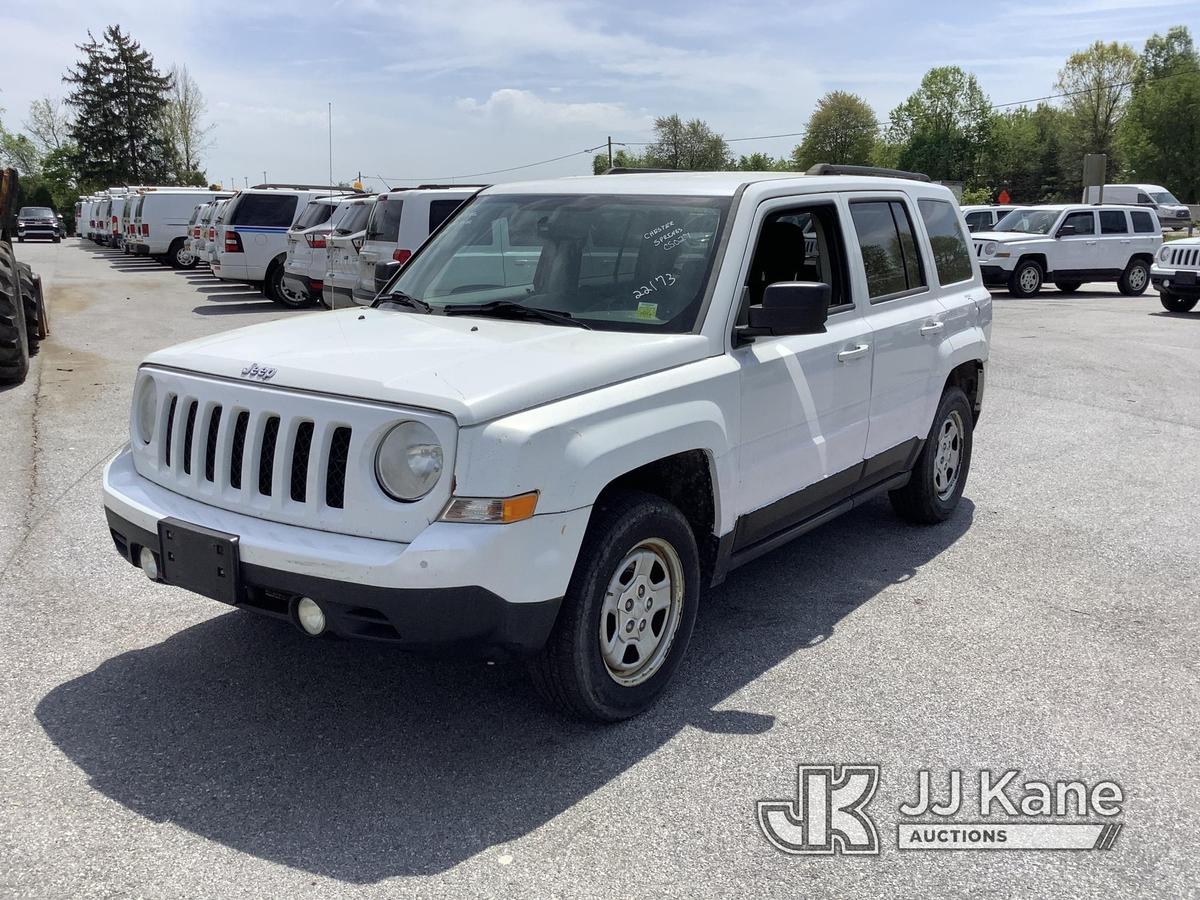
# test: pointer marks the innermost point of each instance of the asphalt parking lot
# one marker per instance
(156, 744)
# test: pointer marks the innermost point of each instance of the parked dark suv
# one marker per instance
(37, 222)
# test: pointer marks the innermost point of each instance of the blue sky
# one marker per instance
(440, 89)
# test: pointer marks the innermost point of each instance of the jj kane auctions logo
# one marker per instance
(829, 814)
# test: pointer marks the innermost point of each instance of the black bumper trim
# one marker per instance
(994, 275)
(469, 620)
(1176, 289)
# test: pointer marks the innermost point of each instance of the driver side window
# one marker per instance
(1082, 222)
(798, 244)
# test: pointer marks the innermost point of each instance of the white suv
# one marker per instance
(345, 241)
(253, 247)
(401, 221)
(699, 368)
(1176, 275)
(985, 218)
(1070, 245)
(308, 250)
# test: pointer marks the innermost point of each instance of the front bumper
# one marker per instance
(491, 590)
(48, 232)
(1181, 283)
(994, 276)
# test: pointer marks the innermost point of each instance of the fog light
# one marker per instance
(310, 616)
(149, 563)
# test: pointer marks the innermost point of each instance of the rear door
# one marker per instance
(907, 322)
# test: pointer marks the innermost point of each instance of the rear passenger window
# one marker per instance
(889, 251)
(978, 219)
(1082, 222)
(1143, 222)
(440, 211)
(384, 224)
(1112, 221)
(951, 254)
(265, 210)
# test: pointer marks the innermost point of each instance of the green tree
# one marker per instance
(184, 127)
(762, 162)
(943, 129)
(621, 159)
(1024, 153)
(48, 124)
(1097, 83)
(687, 145)
(120, 101)
(842, 130)
(1159, 137)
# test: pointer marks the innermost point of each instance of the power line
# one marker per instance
(540, 162)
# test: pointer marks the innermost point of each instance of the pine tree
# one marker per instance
(120, 101)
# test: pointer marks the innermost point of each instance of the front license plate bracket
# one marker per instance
(200, 559)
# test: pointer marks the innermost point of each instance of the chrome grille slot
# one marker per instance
(170, 431)
(335, 478)
(300, 455)
(238, 450)
(266, 456)
(188, 431)
(210, 448)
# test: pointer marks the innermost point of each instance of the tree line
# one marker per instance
(122, 121)
(1142, 110)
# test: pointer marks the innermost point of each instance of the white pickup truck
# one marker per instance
(555, 462)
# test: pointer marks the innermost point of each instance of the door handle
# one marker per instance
(522, 262)
(932, 327)
(853, 352)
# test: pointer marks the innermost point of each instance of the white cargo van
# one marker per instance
(1171, 212)
(161, 223)
(253, 247)
(400, 222)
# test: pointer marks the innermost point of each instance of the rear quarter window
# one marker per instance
(1143, 222)
(951, 253)
(440, 211)
(265, 210)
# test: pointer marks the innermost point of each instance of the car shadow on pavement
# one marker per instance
(228, 305)
(358, 762)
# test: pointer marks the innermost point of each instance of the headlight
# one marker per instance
(989, 249)
(409, 461)
(146, 410)
(1163, 251)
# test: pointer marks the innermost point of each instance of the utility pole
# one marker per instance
(610, 151)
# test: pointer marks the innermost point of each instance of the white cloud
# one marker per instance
(528, 107)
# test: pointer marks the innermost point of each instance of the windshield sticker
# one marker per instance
(657, 282)
(647, 311)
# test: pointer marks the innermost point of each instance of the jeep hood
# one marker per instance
(1008, 237)
(474, 368)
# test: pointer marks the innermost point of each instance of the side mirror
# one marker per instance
(791, 307)
(384, 272)
(1065, 230)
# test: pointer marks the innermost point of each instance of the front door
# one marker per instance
(804, 398)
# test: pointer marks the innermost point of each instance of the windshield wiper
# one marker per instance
(402, 299)
(511, 309)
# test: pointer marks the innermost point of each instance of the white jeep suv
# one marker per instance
(555, 464)
(1176, 275)
(1069, 245)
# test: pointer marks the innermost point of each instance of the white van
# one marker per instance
(308, 250)
(345, 241)
(1171, 212)
(400, 222)
(161, 222)
(253, 246)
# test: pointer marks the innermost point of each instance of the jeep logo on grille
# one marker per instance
(262, 373)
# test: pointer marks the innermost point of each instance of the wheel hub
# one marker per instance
(948, 457)
(641, 612)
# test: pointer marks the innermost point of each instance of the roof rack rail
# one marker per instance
(876, 171)
(431, 187)
(634, 170)
(303, 187)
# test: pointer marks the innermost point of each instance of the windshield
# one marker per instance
(354, 219)
(613, 261)
(1164, 197)
(30, 212)
(1029, 221)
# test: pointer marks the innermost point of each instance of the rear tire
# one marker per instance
(273, 288)
(14, 341)
(1068, 287)
(31, 300)
(638, 569)
(940, 473)
(1026, 279)
(1135, 279)
(179, 257)
(1177, 304)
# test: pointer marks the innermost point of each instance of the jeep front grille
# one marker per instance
(1183, 257)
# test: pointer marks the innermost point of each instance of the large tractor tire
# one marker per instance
(14, 339)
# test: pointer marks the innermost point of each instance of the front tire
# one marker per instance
(1026, 279)
(1177, 304)
(628, 613)
(1135, 279)
(940, 473)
